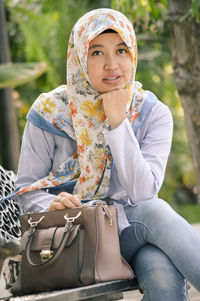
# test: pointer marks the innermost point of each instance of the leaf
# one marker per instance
(193, 12)
(16, 74)
(196, 7)
(155, 11)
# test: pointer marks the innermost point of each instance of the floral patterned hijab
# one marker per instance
(76, 109)
(87, 112)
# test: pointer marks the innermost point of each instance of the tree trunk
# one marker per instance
(9, 137)
(185, 37)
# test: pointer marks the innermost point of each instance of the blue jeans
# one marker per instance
(163, 250)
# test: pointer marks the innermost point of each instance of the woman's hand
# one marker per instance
(65, 200)
(114, 104)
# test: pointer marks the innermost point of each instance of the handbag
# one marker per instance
(70, 248)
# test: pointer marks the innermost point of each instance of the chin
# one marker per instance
(109, 89)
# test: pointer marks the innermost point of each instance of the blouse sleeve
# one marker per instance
(40, 153)
(141, 165)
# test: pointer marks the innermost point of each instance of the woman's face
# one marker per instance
(109, 63)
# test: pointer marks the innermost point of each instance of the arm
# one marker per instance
(141, 167)
(41, 153)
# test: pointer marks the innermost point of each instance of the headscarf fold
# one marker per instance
(76, 109)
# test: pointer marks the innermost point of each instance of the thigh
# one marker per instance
(157, 276)
(151, 212)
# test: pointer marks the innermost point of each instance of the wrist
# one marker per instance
(115, 124)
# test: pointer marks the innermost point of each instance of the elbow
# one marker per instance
(145, 194)
(144, 191)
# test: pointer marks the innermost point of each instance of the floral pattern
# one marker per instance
(76, 108)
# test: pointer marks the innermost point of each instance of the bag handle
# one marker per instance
(68, 228)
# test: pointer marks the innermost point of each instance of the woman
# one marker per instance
(102, 136)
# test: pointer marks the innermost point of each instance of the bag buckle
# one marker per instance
(111, 220)
(73, 218)
(35, 223)
(46, 255)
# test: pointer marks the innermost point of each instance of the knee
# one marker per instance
(157, 276)
(153, 211)
(160, 211)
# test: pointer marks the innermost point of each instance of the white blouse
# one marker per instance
(139, 160)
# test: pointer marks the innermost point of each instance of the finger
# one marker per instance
(78, 196)
(74, 199)
(113, 91)
(77, 199)
(68, 203)
(56, 206)
(65, 194)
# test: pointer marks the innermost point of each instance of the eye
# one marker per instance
(122, 50)
(97, 52)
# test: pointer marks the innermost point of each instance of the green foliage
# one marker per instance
(141, 11)
(151, 10)
(13, 75)
(191, 212)
(194, 11)
(42, 29)
(39, 31)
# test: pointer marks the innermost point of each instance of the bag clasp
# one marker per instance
(35, 223)
(73, 218)
(46, 255)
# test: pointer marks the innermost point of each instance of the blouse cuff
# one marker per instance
(120, 132)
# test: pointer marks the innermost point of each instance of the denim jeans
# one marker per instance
(163, 250)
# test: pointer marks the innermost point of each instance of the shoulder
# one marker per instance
(58, 91)
(153, 114)
(159, 111)
(52, 104)
(158, 121)
(57, 95)
(34, 133)
(51, 113)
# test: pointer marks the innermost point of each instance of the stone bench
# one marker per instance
(106, 291)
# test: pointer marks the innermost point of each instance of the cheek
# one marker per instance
(128, 68)
(89, 69)
(93, 71)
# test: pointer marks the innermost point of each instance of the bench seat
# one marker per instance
(106, 291)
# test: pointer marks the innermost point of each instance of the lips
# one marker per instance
(112, 79)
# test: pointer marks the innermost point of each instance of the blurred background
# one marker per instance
(38, 33)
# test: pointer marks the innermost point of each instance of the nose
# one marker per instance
(110, 62)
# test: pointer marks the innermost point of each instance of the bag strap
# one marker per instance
(67, 229)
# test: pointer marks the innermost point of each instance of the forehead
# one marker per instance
(112, 38)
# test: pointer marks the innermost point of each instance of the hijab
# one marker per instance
(75, 110)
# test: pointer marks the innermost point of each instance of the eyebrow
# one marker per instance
(100, 45)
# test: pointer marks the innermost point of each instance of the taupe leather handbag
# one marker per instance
(71, 247)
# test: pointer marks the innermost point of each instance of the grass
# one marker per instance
(191, 212)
